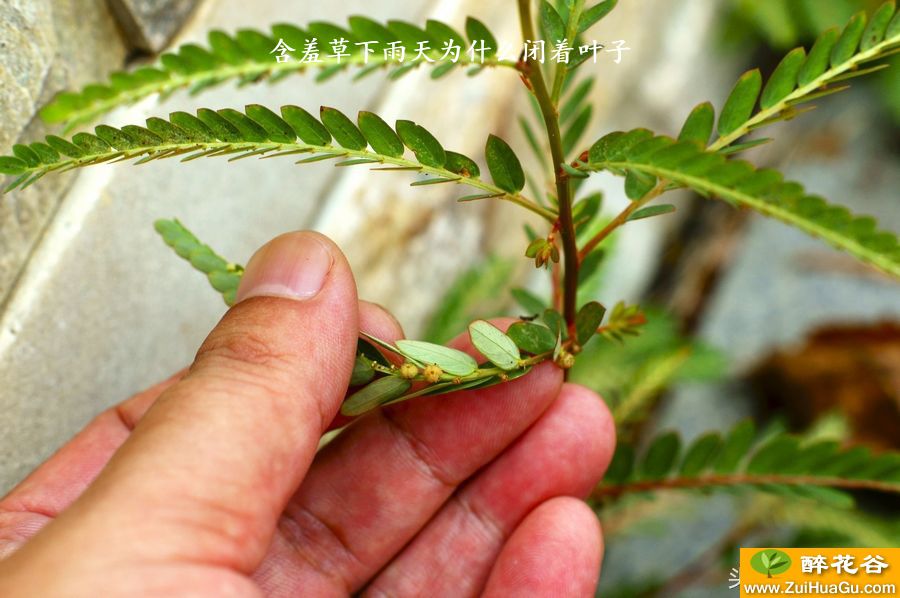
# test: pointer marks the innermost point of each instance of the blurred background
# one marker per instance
(746, 316)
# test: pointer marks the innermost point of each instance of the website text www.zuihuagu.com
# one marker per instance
(815, 588)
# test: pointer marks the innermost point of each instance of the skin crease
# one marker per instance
(210, 483)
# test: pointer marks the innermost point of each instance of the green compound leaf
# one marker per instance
(700, 455)
(222, 275)
(462, 165)
(70, 149)
(113, 137)
(588, 320)
(504, 166)
(496, 346)
(305, 125)
(12, 165)
(248, 128)
(849, 40)
(46, 154)
(380, 135)
(878, 26)
(453, 362)
(382, 390)
(592, 16)
(247, 57)
(735, 447)
(478, 33)
(275, 127)
(409, 35)
(532, 338)
(739, 105)
(577, 129)
(587, 208)
(893, 29)
(551, 23)
(423, 144)
(783, 79)
(660, 457)
(92, 144)
(261, 133)
(835, 56)
(342, 129)
(699, 124)
(638, 184)
(221, 128)
(443, 34)
(739, 182)
(621, 466)
(651, 211)
(188, 122)
(782, 449)
(572, 105)
(818, 58)
(778, 463)
(366, 29)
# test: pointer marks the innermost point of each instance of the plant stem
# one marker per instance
(479, 374)
(622, 218)
(563, 188)
(562, 68)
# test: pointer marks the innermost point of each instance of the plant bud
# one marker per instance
(565, 360)
(409, 371)
(535, 247)
(432, 373)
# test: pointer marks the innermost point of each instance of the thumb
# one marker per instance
(209, 469)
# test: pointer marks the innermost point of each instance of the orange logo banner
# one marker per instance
(819, 572)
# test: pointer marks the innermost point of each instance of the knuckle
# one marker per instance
(245, 359)
(240, 349)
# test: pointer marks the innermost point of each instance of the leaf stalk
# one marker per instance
(563, 187)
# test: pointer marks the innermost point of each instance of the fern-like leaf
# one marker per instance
(644, 159)
(247, 57)
(261, 132)
(801, 77)
(781, 463)
(223, 275)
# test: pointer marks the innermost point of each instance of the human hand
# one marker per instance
(210, 484)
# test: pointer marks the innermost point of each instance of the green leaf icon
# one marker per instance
(770, 562)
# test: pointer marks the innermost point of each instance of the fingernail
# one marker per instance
(293, 266)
